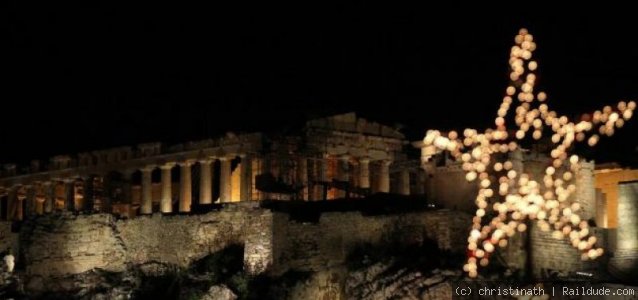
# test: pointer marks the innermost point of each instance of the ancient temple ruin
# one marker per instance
(112, 209)
(342, 156)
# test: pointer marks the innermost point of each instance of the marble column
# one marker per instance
(302, 176)
(12, 202)
(323, 175)
(146, 207)
(246, 178)
(166, 202)
(404, 182)
(185, 187)
(364, 173)
(31, 192)
(22, 198)
(384, 176)
(40, 198)
(225, 188)
(49, 196)
(69, 194)
(343, 175)
(255, 170)
(205, 182)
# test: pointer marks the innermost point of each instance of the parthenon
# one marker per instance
(342, 156)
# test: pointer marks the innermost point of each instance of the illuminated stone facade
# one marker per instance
(342, 156)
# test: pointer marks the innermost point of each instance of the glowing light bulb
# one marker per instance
(541, 96)
(470, 176)
(532, 65)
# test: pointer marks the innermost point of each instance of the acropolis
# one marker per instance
(367, 151)
(109, 209)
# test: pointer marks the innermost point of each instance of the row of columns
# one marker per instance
(344, 171)
(185, 184)
(41, 198)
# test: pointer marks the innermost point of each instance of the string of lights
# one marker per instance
(511, 195)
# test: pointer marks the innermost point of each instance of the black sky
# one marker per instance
(82, 78)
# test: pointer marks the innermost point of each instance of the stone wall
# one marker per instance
(557, 255)
(310, 246)
(585, 190)
(60, 247)
(448, 188)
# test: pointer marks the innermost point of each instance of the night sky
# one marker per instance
(80, 78)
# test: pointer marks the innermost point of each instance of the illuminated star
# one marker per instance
(514, 196)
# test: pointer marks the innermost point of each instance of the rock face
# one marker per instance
(316, 246)
(61, 251)
(9, 285)
(65, 252)
(379, 281)
(219, 292)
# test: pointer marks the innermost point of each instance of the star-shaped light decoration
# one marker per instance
(517, 197)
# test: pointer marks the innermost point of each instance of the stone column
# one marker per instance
(22, 198)
(302, 176)
(323, 176)
(166, 203)
(147, 190)
(384, 176)
(40, 198)
(255, 171)
(69, 194)
(49, 196)
(246, 179)
(185, 187)
(12, 202)
(343, 175)
(364, 173)
(404, 182)
(31, 200)
(313, 177)
(224, 179)
(205, 182)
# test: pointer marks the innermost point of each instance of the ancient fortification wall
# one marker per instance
(315, 246)
(552, 255)
(58, 247)
(63, 245)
